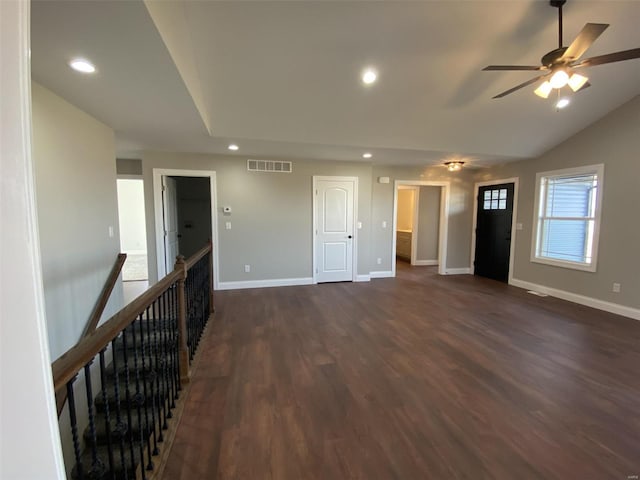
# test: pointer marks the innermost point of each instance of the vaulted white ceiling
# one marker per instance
(282, 79)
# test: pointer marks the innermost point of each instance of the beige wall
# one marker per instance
(75, 172)
(271, 214)
(615, 142)
(428, 223)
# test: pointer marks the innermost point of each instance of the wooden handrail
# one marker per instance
(96, 314)
(67, 365)
(193, 259)
(105, 294)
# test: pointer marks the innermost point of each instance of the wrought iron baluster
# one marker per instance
(153, 374)
(128, 400)
(97, 467)
(107, 416)
(166, 378)
(138, 397)
(145, 379)
(74, 428)
(158, 363)
(121, 428)
(172, 304)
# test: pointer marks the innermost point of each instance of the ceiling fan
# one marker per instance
(559, 65)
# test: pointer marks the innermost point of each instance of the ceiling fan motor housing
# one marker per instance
(553, 57)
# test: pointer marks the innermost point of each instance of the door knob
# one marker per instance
(350, 236)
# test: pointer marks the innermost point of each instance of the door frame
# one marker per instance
(514, 217)
(158, 173)
(443, 233)
(354, 243)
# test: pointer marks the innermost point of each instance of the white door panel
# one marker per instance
(334, 234)
(170, 218)
(335, 257)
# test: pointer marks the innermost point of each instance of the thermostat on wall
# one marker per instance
(383, 179)
(226, 209)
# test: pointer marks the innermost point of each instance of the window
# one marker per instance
(567, 217)
(495, 199)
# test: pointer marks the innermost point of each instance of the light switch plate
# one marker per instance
(227, 225)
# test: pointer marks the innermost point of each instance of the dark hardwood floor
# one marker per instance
(418, 377)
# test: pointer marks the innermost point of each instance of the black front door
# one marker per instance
(493, 231)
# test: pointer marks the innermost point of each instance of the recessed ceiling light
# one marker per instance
(563, 102)
(233, 147)
(369, 76)
(367, 155)
(82, 65)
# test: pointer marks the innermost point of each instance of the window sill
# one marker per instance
(565, 264)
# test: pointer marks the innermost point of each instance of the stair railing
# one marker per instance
(139, 359)
(96, 314)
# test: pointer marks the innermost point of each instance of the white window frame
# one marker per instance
(597, 170)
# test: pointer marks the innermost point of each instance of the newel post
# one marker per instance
(183, 348)
(210, 262)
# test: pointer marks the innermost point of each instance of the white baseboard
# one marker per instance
(580, 299)
(425, 263)
(277, 282)
(458, 271)
(386, 274)
(363, 278)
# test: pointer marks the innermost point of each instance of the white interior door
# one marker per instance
(170, 221)
(334, 230)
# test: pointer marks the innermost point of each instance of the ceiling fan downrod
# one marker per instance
(558, 4)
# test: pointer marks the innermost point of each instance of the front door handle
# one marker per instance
(350, 236)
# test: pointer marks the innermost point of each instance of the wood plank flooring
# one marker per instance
(418, 377)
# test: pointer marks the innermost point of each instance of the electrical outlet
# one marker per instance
(247, 268)
(616, 288)
(384, 224)
(379, 261)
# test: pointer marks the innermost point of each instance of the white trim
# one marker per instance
(276, 282)
(23, 321)
(424, 263)
(363, 278)
(458, 271)
(314, 226)
(598, 169)
(386, 274)
(514, 216)
(158, 173)
(442, 227)
(580, 299)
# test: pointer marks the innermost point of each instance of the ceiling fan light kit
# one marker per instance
(558, 64)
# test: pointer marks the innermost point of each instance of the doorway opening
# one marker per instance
(133, 236)
(492, 238)
(185, 216)
(420, 218)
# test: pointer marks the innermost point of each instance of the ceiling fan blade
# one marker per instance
(522, 85)
(513, 67)
(609, 58)
(589, 33)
